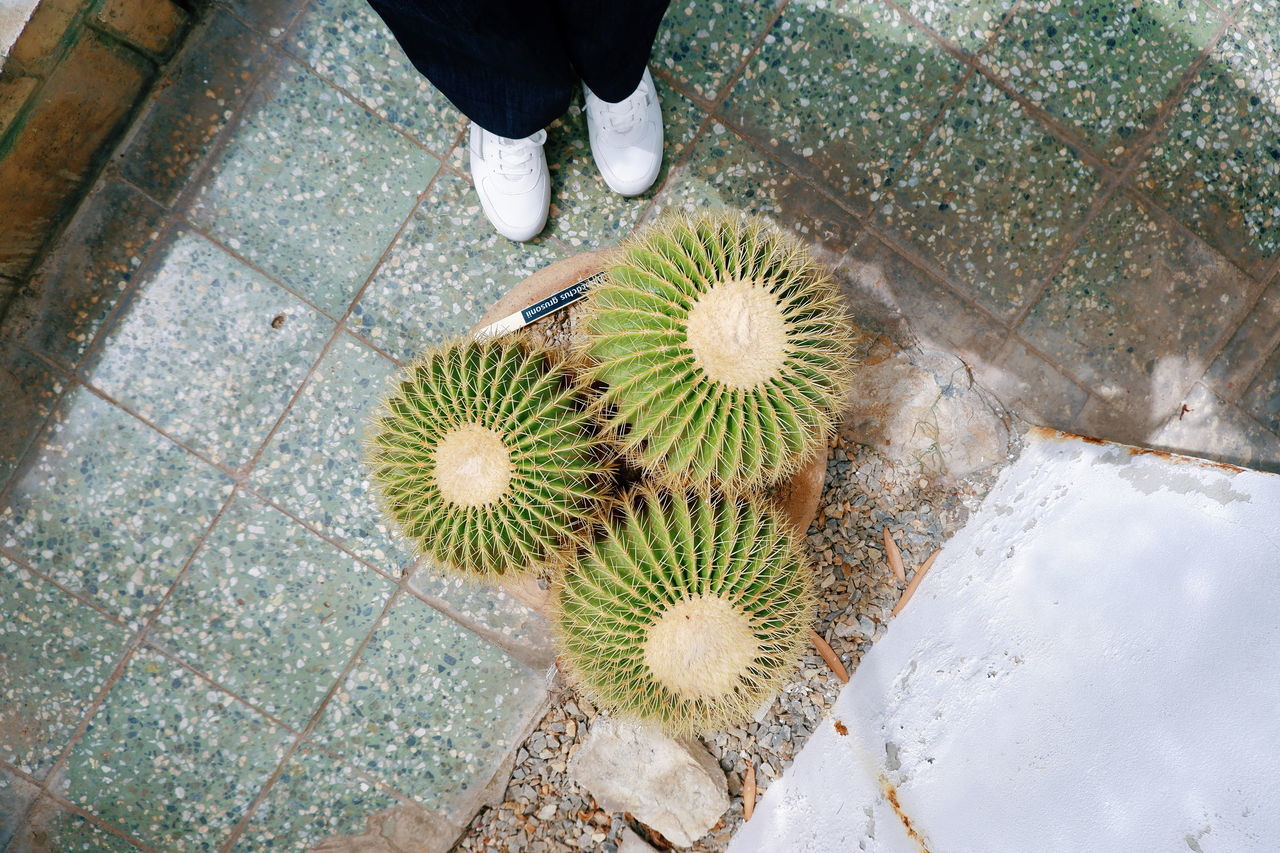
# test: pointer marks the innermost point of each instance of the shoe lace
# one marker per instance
(515, 157)
(626, 114)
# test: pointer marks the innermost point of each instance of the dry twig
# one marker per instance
(915, 582)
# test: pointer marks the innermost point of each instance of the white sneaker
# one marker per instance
(626, 137)
(512, 181)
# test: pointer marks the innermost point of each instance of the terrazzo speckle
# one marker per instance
(314, 798)
(1233, 436)
(585, 213)
(98, 257)
(210, 351)
(55, 654)
(443, 273)
(490, 607)
(1216, 166)
(1103, 66)
(110, 508)
(312, 187)
(313, 467)
(968, 24)
(171, 760)
(845, 89)
(54, 828)
(271, 611)
(701, 43)
(348, 45)
(429, 706)
(992, 197)
(1137, 307)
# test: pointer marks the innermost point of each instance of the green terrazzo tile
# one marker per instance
(16, 795)
(30, 389)
(701, 43)
(55, 655)
(210, 351)
(1103, 66)
(443, 273)
(271, 611)
(1216, 166)
(845, 90)
(311, 187)
(348, 45)
(271, 18)
(313, 465)
(109, 508)
(171, 760)
(82, 279)
(195, 100)
(969, 24)
(584, 211)
(520, 627)
(1262, 398)
(317, 798)
(54, 828)
(430, 708)
(1258, 21)
(992, 198)
(1138, 308)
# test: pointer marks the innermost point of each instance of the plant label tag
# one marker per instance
(540, 309)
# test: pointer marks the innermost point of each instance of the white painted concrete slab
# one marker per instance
(1093, 664)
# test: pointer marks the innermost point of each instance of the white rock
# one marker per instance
(629, 842)
(674, 786)
(922, 407)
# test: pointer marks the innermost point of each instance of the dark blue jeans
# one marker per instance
(511, 65)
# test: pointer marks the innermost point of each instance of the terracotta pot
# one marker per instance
(797, 497)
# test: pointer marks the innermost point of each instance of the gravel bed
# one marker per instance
(545, 810)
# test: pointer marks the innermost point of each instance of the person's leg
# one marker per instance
(503, 64)
(609, 45)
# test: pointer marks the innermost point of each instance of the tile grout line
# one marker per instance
(59, 765)
(238, 829)
(22, 563)
(43, 791)
(709, 106)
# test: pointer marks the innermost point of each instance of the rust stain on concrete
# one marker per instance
(891, 794)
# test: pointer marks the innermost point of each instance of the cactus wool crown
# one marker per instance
(723, 350)
(484, 456)
(688, 610)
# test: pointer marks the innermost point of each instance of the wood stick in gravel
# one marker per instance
(894, 556)
(749, 791)
(915, 582)
(829, 656)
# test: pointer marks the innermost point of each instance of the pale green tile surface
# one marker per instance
(170, 759)
(846, 89)
(55, 655)
(312, 187)
(967, 23)
(1216, 165)
(271, 611)
(430, 708)
(701, 43)
(313, 466)
(1103, 66)
(992, 198)
(109, 507)
(443, 273)
(53, 828)
(210, 351)
(314, 798)
(349, 45)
